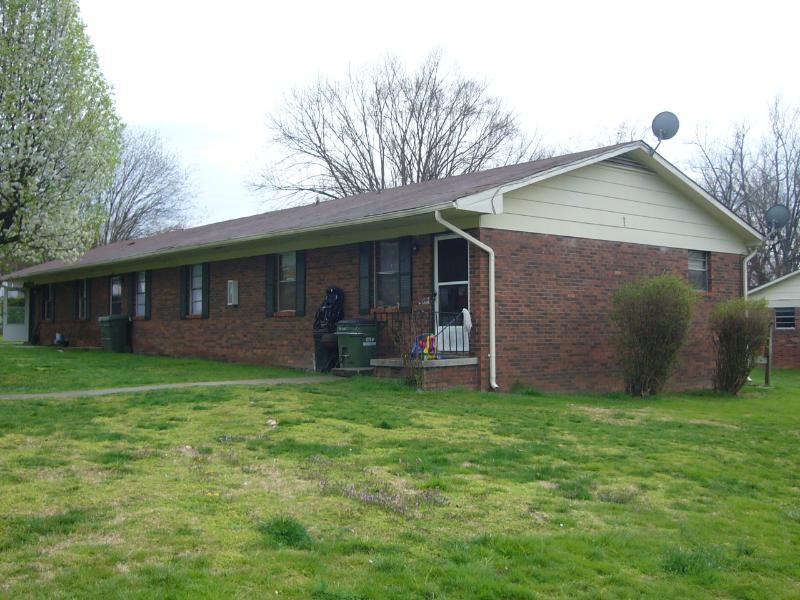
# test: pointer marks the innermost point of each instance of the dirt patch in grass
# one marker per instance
(613, 416)
(713, 423)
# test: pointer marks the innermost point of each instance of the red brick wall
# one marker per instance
(553, 300)
(785, 347)
(77, 332)
(439, 378)
(243, 333)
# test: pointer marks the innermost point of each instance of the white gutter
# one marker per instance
(746, 261)
(492, 343)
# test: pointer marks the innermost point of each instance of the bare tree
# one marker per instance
(385, 127)
(150, 193)
(749, 175)
(626, 131)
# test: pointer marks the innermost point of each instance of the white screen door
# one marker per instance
(451, 275)
(15, 315)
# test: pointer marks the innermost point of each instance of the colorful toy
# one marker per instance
(425, 347)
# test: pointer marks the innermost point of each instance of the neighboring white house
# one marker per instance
(783, 296)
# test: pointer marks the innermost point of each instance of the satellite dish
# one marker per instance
(777, 217)
(665, 126)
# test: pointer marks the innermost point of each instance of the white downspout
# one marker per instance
(492, 343)
(746, 261)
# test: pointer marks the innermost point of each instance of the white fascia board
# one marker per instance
(491, 201)
(773, 282)
(755, 238)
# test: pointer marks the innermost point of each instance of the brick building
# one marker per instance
(783, 297)
(533, 251)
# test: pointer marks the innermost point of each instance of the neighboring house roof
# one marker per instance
(473, 193)
(782, 292)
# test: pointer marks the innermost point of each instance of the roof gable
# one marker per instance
(781, 292)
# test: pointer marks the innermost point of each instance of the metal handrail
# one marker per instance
(451, 335)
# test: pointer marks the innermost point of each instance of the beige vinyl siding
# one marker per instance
(614, 203)
(784, 294)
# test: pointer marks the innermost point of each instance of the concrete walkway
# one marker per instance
(168, 386)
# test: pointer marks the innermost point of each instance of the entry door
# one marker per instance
(451, 281)
(15, 315)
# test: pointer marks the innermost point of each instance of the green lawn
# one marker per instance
(364, 489)
(28, 369)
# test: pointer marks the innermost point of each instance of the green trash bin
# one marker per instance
(358, 342)
(114, 333)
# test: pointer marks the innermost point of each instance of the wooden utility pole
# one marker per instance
(768, 366)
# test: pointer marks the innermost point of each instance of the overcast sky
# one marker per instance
(205, 74)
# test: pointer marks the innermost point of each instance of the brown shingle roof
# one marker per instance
(394, 202)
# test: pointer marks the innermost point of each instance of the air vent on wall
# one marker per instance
(628, 163)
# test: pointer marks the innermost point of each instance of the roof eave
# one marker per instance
(114, 264)
(751, 236)
(773, 282)
(491, 200)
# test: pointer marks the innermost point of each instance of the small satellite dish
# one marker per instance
(665, 126)
(776, 218)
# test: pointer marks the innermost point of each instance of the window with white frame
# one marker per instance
(48, 302)
(287, 281)
(141, 295)
(233, 292)
(82, 291)
(196, 291)
(784, 318)
(387, 274)
(384, 274)
(698, 270)
(115, 304)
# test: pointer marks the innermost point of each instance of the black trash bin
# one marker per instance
(326, 351)
(114, 333)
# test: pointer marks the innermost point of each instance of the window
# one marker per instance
(286, 283)
(194, 291)
(233, 292)
(115, 284)
(385, 275)
(48, 302)
(141, 295)
(784, 318)
(698, 270)
(82, 299)
(451, 274)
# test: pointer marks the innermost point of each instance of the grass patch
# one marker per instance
(364, 489)
(21, 530)
(286, 532)
(29, 369)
